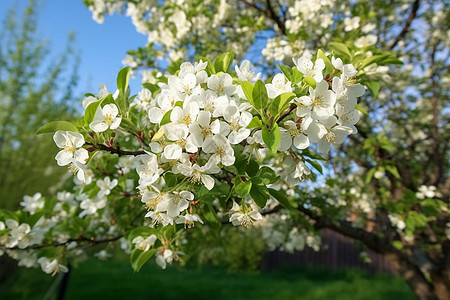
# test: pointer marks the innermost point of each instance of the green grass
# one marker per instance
(115, 280)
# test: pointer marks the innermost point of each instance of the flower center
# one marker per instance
(330, 136)
(220, 90)
(108, 119)
(181, 143)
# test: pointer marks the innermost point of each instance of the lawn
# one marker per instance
(114, 279)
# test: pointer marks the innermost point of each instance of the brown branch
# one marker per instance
(90, 242)
(287, 112)
(405, 28)
(117, 151)
(268, 12)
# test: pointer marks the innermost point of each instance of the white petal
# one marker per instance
(98, 126)
(81, 155)
(64, 158)
(116, 123)
(208, 181)
(301, 142)
(172, 151)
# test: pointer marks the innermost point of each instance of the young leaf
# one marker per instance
(259, 95)
(310, 81)
(243, 188)
(122, 79)
(138, 258)
(287, 72)
(271, 137)
(57, 125)
(223, 62)
(166, 118)
(209, 67)
(361, 109)
(298, 76)
(255, 122)
(267, 175)
(340, 49)
(315, 165)
(247, 88)
(279, 104)
(90, 111)
(373, 86)
(328, 65)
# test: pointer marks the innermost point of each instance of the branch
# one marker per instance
(287, 112)
(268, 12)
(405, 28)
(115, 150)
(91, 241)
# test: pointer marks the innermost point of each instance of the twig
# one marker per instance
(115, 150)
(405, 28)
(287, 112)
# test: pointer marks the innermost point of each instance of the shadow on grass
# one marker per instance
(115, 280)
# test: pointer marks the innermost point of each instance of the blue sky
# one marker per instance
(101, 46)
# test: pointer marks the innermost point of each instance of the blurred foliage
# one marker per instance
(35, 88)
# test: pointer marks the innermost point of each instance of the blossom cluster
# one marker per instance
(206, 129)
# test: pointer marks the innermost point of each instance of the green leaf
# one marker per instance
(209, 67)
(315, 165)
(252, 168)
(271, 137)
(393, 170)
(154, 88)
(259, 95)
(259, 193)
(241, 163)
(267, 175)
(255, 122)
(243, 188)
(373, 86)
(375, 59)
(361, 109)
(370, 174)
(143, 231)
(122, 79)
(80, 122)
(287, 72)
(56, 126)
(340, 49)
(280, 103)
(308, 153)
(247, 88)
(170, 179)
(90, 112)
(310, 81)
(328, 65)
(166, 118)
(210, 216)
(280, 196)
(138, 258)
(398, 245)
(298, 76)
(223, 62)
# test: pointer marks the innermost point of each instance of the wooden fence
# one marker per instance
(339, 252)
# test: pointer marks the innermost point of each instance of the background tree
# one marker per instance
(34, 89)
